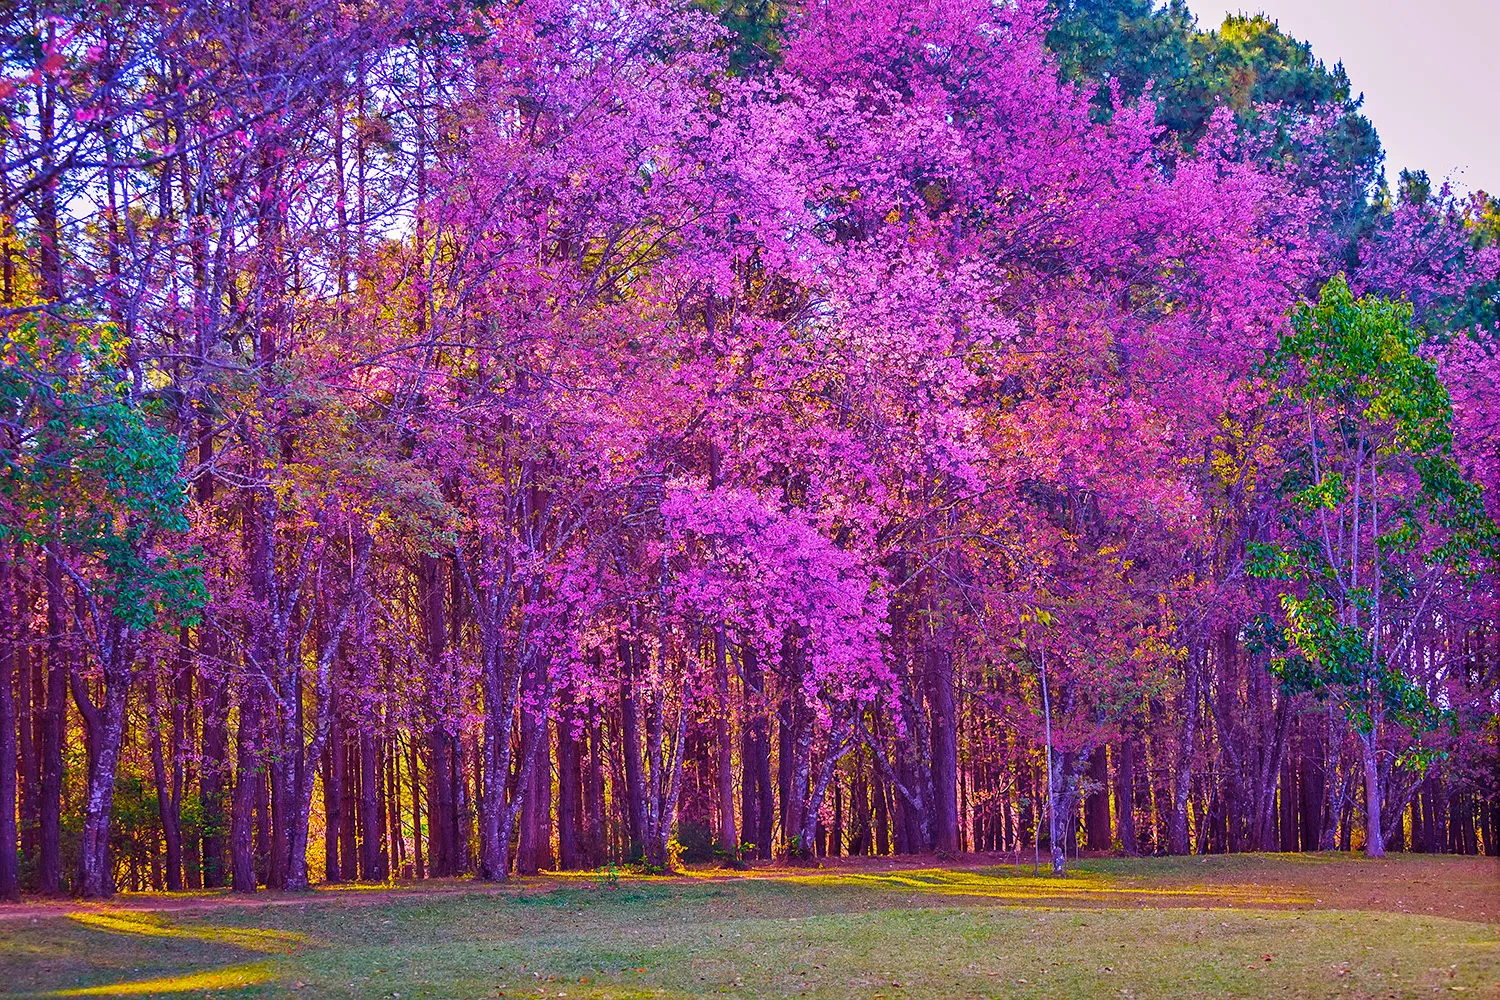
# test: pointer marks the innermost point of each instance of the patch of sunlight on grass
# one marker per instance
(229, 978)
(152, 925)
(1076, 886)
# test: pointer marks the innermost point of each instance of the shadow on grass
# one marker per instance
(154, 925)
(103, 944)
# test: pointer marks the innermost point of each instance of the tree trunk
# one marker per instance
(246, 780)
(301, 756)
(278, 843)
(1374, 837)
(10, 875)
(54, 720)
(1096, 804)
(168, 796)
(630, 730)
(333, 796)
(1125, 795)
(106, 725)
(416, 806)
(1289, 797)
(442, 821)
(568, 733)
(370, 853)
(29, 723)
(800, 820)
(1310, 792)
(728, 836)
(944, 735)
(1063, 793)
(596, 802)
(490, 779)
(1177, 833)
(667, 761)
(841, 740)
(757, 806)
(391, 761)
(262, 840)
(212, 793)
(534, 774)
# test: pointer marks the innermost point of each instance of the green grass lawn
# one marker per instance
(1225, 927)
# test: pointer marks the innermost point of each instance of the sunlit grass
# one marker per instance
(235, 977)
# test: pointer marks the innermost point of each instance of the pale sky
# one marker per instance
(1429, 70)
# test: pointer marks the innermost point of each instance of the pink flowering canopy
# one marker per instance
(548, 429)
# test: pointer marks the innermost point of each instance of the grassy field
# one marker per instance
(1267, 926)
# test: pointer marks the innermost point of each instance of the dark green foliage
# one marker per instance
(754, 30)
(696, 841)
(1246, 62)
(1248, 65)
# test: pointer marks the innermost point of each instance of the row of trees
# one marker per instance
(496, 437)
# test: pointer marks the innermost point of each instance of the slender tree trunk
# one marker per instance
(391, 758)
(1177, 833)
(635, 790)
(10, 875)
(416, 806)
(166, 802)
(106, 723)
(29, 723)
(213, 795)
(944, 728)
(278, 843)
(54, 720)
(841, 740)
(1096, 804)
(801, 817)
(1310, 793)
(302, 756)
(1125, 795)
(442, 824)
(1287, 800)
(667, 762)
(347, 763)
(442, 820)
(246, 782)
(333, 795)
(494, 861)
(756, 806)
(568, 735)
(728, 835)
(1063, 785)
(534, 785)
(371, 869)
(1333, 780)
(1374, 836)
